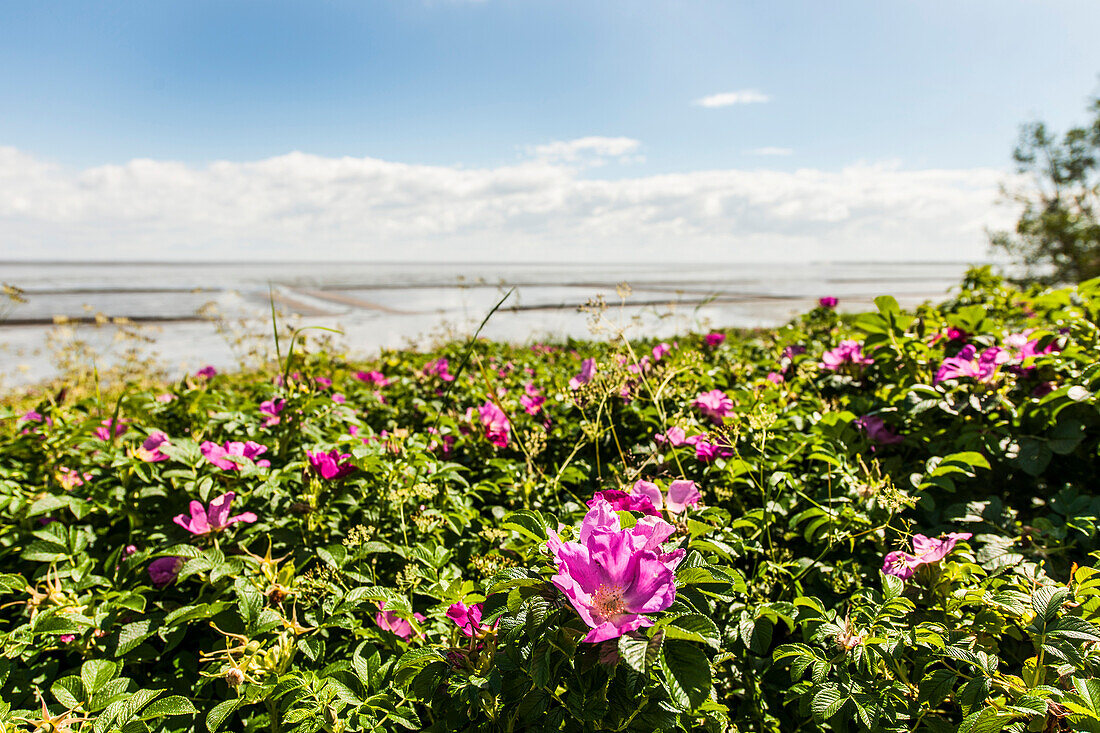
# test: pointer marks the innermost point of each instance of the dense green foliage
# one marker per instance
(783, 618)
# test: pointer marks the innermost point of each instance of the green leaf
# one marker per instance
(687, 674)
(95, 673)
(692, 627)
(526, 523)
(935, 686)
(217, 715)
(68, 691)
(633, 652)
(174, 705)
(1047, 600)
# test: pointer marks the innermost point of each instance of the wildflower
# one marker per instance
(207, 372)
(968, 364)
(150, 448)
(715, 404)
(706, 451)
(322, 382)
(163, 570)
(846, 352)
(332, 465)
(660, 350)
(372, 377)
(775, 378)
(1023, 348)
(674, 436)
(588, 370)
(714, 339)
(440, 368)
(339, 398)
(165, 397)
(877, 431)
(532, 400)
(215, 518)
(497, 427)
(70, 478)
(390, 621)
(681, 494)
(270, 409)
(468, 619)
(220, 455)
(613, 577)
(827, 302)
(110, 428)
(953, 335)
(622, 501)
(926, 551)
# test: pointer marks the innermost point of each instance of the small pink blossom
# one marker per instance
(110, 428)
(332, 465)
(339, 398)
(495, 422)
(468, 619)
(674, 436)
(70, 479)
(715, 404)
(220, 455)
(587, 372)
(681, 494)
(706, 451)
(207, 372)
(925, 552)
(322, 382)
(270, 409)
(163, 570)
(166, 397)
(532, 400)
(827, 301)
(213, 519)
(440, 368)
(150, 448)
(660, 350)
(846, 353)
(775, 378)
(968, 364)
(878, 431)
(714, 339)
(622, 501)
(390, 621)
(376, 378)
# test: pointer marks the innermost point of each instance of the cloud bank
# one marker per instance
(549, 206)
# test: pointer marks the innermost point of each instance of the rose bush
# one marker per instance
(883, 522)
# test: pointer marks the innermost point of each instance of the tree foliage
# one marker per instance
(1057, 237)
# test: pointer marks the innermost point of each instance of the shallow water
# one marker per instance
(394, 304)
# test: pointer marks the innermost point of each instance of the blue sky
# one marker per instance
(477, 84)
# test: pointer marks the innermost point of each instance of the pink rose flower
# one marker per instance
(270, 409)
(926, 551)
(332, 465)
(109, 428)
(468, 619)
(614, 577)
(827, 302)
(532, 400)
(588, 370)
(968, 364)
(213, 519)
(220, 455)
(497, 427)
(163, 570)
(390, 621)
(150, 448)
(715, 404)
(714, 339)
(846, 353)
(439, 368)
(877, 431)
(373, 377)
(207, 372)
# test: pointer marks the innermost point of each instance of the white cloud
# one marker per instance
(728, 99)
(771, 151)
(589, 150)
(299, 206)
